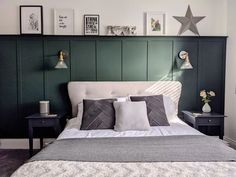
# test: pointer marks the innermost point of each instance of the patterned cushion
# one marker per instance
(155, 109)
(98, 114)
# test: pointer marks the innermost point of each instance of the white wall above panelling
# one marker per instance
(230, 86)
(122, 12)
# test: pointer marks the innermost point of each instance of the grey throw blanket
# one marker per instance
(190, 148)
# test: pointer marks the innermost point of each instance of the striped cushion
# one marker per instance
(155, 109)
(98, 114)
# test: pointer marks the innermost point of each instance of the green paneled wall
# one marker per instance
(134, 60)
(27, 72)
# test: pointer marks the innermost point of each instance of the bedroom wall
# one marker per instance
(123, 12)
(230, 94)
(27, 72)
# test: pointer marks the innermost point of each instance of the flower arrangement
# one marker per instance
(207, 95)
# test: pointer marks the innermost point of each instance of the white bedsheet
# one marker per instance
(177, 127)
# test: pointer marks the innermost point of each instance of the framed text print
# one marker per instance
(64, 21)
(155, 23)
(91, 24)
(31, 20)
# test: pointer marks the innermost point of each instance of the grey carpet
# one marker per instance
(11, 159)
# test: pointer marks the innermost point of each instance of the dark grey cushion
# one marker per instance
(155, 109)
(98, 114)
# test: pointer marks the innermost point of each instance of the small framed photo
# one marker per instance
(64, 21)
(155, 23)
(31, 20)
(91, 24)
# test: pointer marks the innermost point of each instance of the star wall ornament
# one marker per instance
(189, 22)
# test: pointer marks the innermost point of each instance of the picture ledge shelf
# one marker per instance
(108, 36)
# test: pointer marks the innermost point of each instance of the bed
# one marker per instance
(174, 150)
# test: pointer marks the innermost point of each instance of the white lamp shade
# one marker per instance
(61, 65)
(186, 65)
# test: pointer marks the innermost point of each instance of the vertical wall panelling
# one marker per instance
(31, 75)
(109, 60)
(211, 72)
(188, 78)
(56, 79)
(159, 60)
(8, 88)
(134, 60)
(27, 72)
(83, 60)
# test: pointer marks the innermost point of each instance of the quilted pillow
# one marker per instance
(155, 109)
(98, 114)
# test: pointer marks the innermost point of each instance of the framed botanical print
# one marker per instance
(91, 24)
(155, 23)
(64, 21)
(31, 19)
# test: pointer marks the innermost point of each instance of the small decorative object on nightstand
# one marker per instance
(42, 120)
(205, 119)
(206, 95)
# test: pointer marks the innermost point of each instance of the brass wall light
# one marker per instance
(61, 56)
(185, 56)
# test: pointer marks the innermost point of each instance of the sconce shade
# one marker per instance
(61, 64)
(186, 64)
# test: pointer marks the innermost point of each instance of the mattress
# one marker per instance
(177, 127)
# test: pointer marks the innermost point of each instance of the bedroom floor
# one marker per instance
(11, 159)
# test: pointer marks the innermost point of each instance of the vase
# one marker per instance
(206, 108)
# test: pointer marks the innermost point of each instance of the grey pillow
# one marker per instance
(155, 109)
(98, 114)
(131, 116)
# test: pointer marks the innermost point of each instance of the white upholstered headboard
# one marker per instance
(87, 90)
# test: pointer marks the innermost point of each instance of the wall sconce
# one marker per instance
(186, 64)
(61, 56)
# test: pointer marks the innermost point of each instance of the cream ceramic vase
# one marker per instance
(206, 108)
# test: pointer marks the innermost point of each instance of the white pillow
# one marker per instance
(170, 108)
(131, 116)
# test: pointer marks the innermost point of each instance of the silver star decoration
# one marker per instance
(189, 22)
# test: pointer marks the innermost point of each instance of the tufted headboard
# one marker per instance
(87, 90)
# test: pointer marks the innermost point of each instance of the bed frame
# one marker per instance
(87, 90)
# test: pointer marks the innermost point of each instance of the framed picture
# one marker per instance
(31, 20)
(91, 24)
(63, 21)
(155, 23)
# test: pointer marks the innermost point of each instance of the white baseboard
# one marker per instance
(231, 142)
(22, 143)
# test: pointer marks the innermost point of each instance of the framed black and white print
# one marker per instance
(64, 21)
(91, 24)
(31, 19)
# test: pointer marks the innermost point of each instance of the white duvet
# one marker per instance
(177, 127)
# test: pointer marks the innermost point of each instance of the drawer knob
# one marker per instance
(209, 120)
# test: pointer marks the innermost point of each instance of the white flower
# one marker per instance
(211, 93)
(203, 94)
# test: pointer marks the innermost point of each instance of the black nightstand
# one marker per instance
(40, 121)
(205, 119)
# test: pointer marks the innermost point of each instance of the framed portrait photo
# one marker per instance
(31, 20)
(64, 21)
(91, 24)
(155, 23)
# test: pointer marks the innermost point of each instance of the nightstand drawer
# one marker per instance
(208, 121)
(48, 122)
